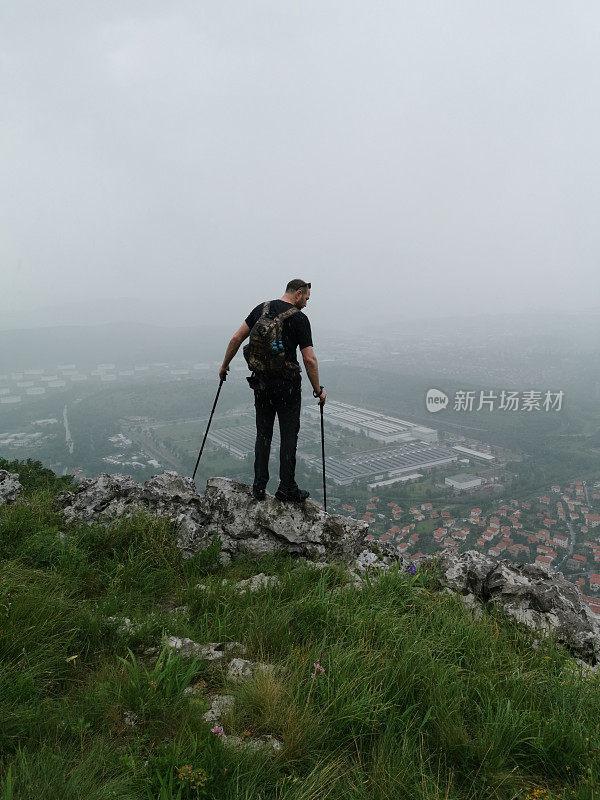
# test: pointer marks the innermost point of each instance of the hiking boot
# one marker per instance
(296, 496)
(258, 494)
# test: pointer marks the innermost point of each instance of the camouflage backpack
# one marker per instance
(264, 352)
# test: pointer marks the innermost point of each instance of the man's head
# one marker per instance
(297, 292)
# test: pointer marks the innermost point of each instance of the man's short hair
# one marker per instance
(296, 284)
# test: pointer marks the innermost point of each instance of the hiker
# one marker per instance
(276, 328)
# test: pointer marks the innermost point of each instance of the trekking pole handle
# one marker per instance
(319, 393)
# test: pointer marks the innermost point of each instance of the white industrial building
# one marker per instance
(474, 453)
(377, 426)
(463, 480)
(401, 479)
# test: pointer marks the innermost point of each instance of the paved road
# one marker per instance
(68, 437)
(569, 552)
(587, 497)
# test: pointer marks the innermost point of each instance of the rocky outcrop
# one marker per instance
(541, 599)
(10, 487)
(109, 497)
(256, 528)
(227, 508)
(530, 594)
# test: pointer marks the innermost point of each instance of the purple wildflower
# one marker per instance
(412, 569)
(218, 731)
(318, 670)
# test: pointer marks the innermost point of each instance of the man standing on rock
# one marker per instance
(276, 328)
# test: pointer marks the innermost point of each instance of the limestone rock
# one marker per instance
(531, 594)
(213, 651)
(109, 497)
(240, 668)
(376, 558)
(257, 582)
(10, 487)
(130, 718)
(124, 624)
(256, 528)
(262, 742)
(220, 703)
(228, 509)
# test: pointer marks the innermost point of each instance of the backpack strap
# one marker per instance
(286, 314)
(265, 308)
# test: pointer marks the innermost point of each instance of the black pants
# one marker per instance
(281, 397)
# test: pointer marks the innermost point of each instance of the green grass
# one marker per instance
(417, 700)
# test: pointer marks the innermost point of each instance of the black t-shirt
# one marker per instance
(296, 328)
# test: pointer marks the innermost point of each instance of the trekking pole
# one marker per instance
(208, 426)
(323, 454)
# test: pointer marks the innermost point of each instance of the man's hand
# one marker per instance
(320, 397)
(234, 345)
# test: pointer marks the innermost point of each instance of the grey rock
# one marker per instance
(470, 601)
(130, 718)
(257, 582)
(220, 703)
(10, 487)
(376, 559)
(227, 508)
(107, 498)
(124, 624)
(193, 689)
(213, 651)
(267, 742)
(241, 668)
(254, 529)
(540, 598)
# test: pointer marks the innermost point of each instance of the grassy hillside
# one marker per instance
(417, 699)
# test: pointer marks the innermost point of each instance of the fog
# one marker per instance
(177, 163)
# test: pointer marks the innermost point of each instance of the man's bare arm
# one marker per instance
(312, 369)
(234, 345)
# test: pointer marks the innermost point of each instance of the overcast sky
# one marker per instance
(185, 159)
